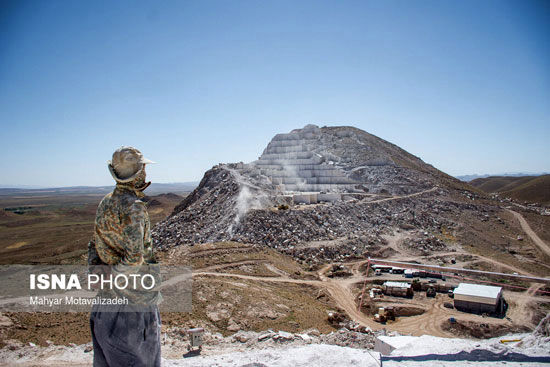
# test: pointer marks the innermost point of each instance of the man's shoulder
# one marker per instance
(105, 202)
(119, 203)
(137, 204)
(123, 198)
(123, 203)
(131, 204)
(106, 198)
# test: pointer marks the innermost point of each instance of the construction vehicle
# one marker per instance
(430, 292)
(384, 314)
(389, 313)
(379, 318)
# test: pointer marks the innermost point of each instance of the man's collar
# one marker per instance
(130, 189)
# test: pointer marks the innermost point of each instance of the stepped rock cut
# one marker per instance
(291, 163)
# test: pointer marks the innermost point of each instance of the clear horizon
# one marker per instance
(30, 187)
(463, 85)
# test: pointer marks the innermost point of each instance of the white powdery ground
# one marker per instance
(310, 355)
(426, 345)
(330, 355)
(302, 356)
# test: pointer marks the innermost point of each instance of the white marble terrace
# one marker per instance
(292, 167)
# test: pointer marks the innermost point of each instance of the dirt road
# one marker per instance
(403, 196)
(522, 313)
(543, 246)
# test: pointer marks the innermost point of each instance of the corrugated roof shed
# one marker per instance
(397, 284)
(477, 293)
(478, 290)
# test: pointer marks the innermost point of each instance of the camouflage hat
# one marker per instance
(126, 164)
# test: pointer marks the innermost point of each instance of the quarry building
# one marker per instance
(401, 289)
(478, 298)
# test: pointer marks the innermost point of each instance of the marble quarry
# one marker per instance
(294, 168)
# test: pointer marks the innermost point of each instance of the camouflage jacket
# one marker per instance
(122, 230)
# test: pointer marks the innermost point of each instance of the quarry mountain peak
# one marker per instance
(329, 173)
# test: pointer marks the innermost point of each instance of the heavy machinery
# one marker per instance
(384, 314)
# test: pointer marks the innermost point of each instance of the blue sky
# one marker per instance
(465, 85)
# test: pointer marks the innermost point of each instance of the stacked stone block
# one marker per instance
(293, 167)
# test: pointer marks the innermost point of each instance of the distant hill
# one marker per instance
(531, 189)
(468, 178)
(499, 183)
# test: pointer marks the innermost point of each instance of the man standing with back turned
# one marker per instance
(123, 238)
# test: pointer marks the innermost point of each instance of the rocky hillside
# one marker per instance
(336, 184)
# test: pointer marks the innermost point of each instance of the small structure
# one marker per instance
(382, 268)
(434, 274)
(195, 337)
(478, 298)
(401, 289)
(329, 197)
(305, 198)
(444, 287)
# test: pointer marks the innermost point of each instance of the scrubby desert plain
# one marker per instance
(301, 268)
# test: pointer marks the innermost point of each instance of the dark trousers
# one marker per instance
(123, 339)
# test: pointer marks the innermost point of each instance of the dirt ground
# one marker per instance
(473, 329)
(246, 287)
(55, 229)
(539, 223)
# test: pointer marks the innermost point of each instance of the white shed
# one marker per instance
(477, 298)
